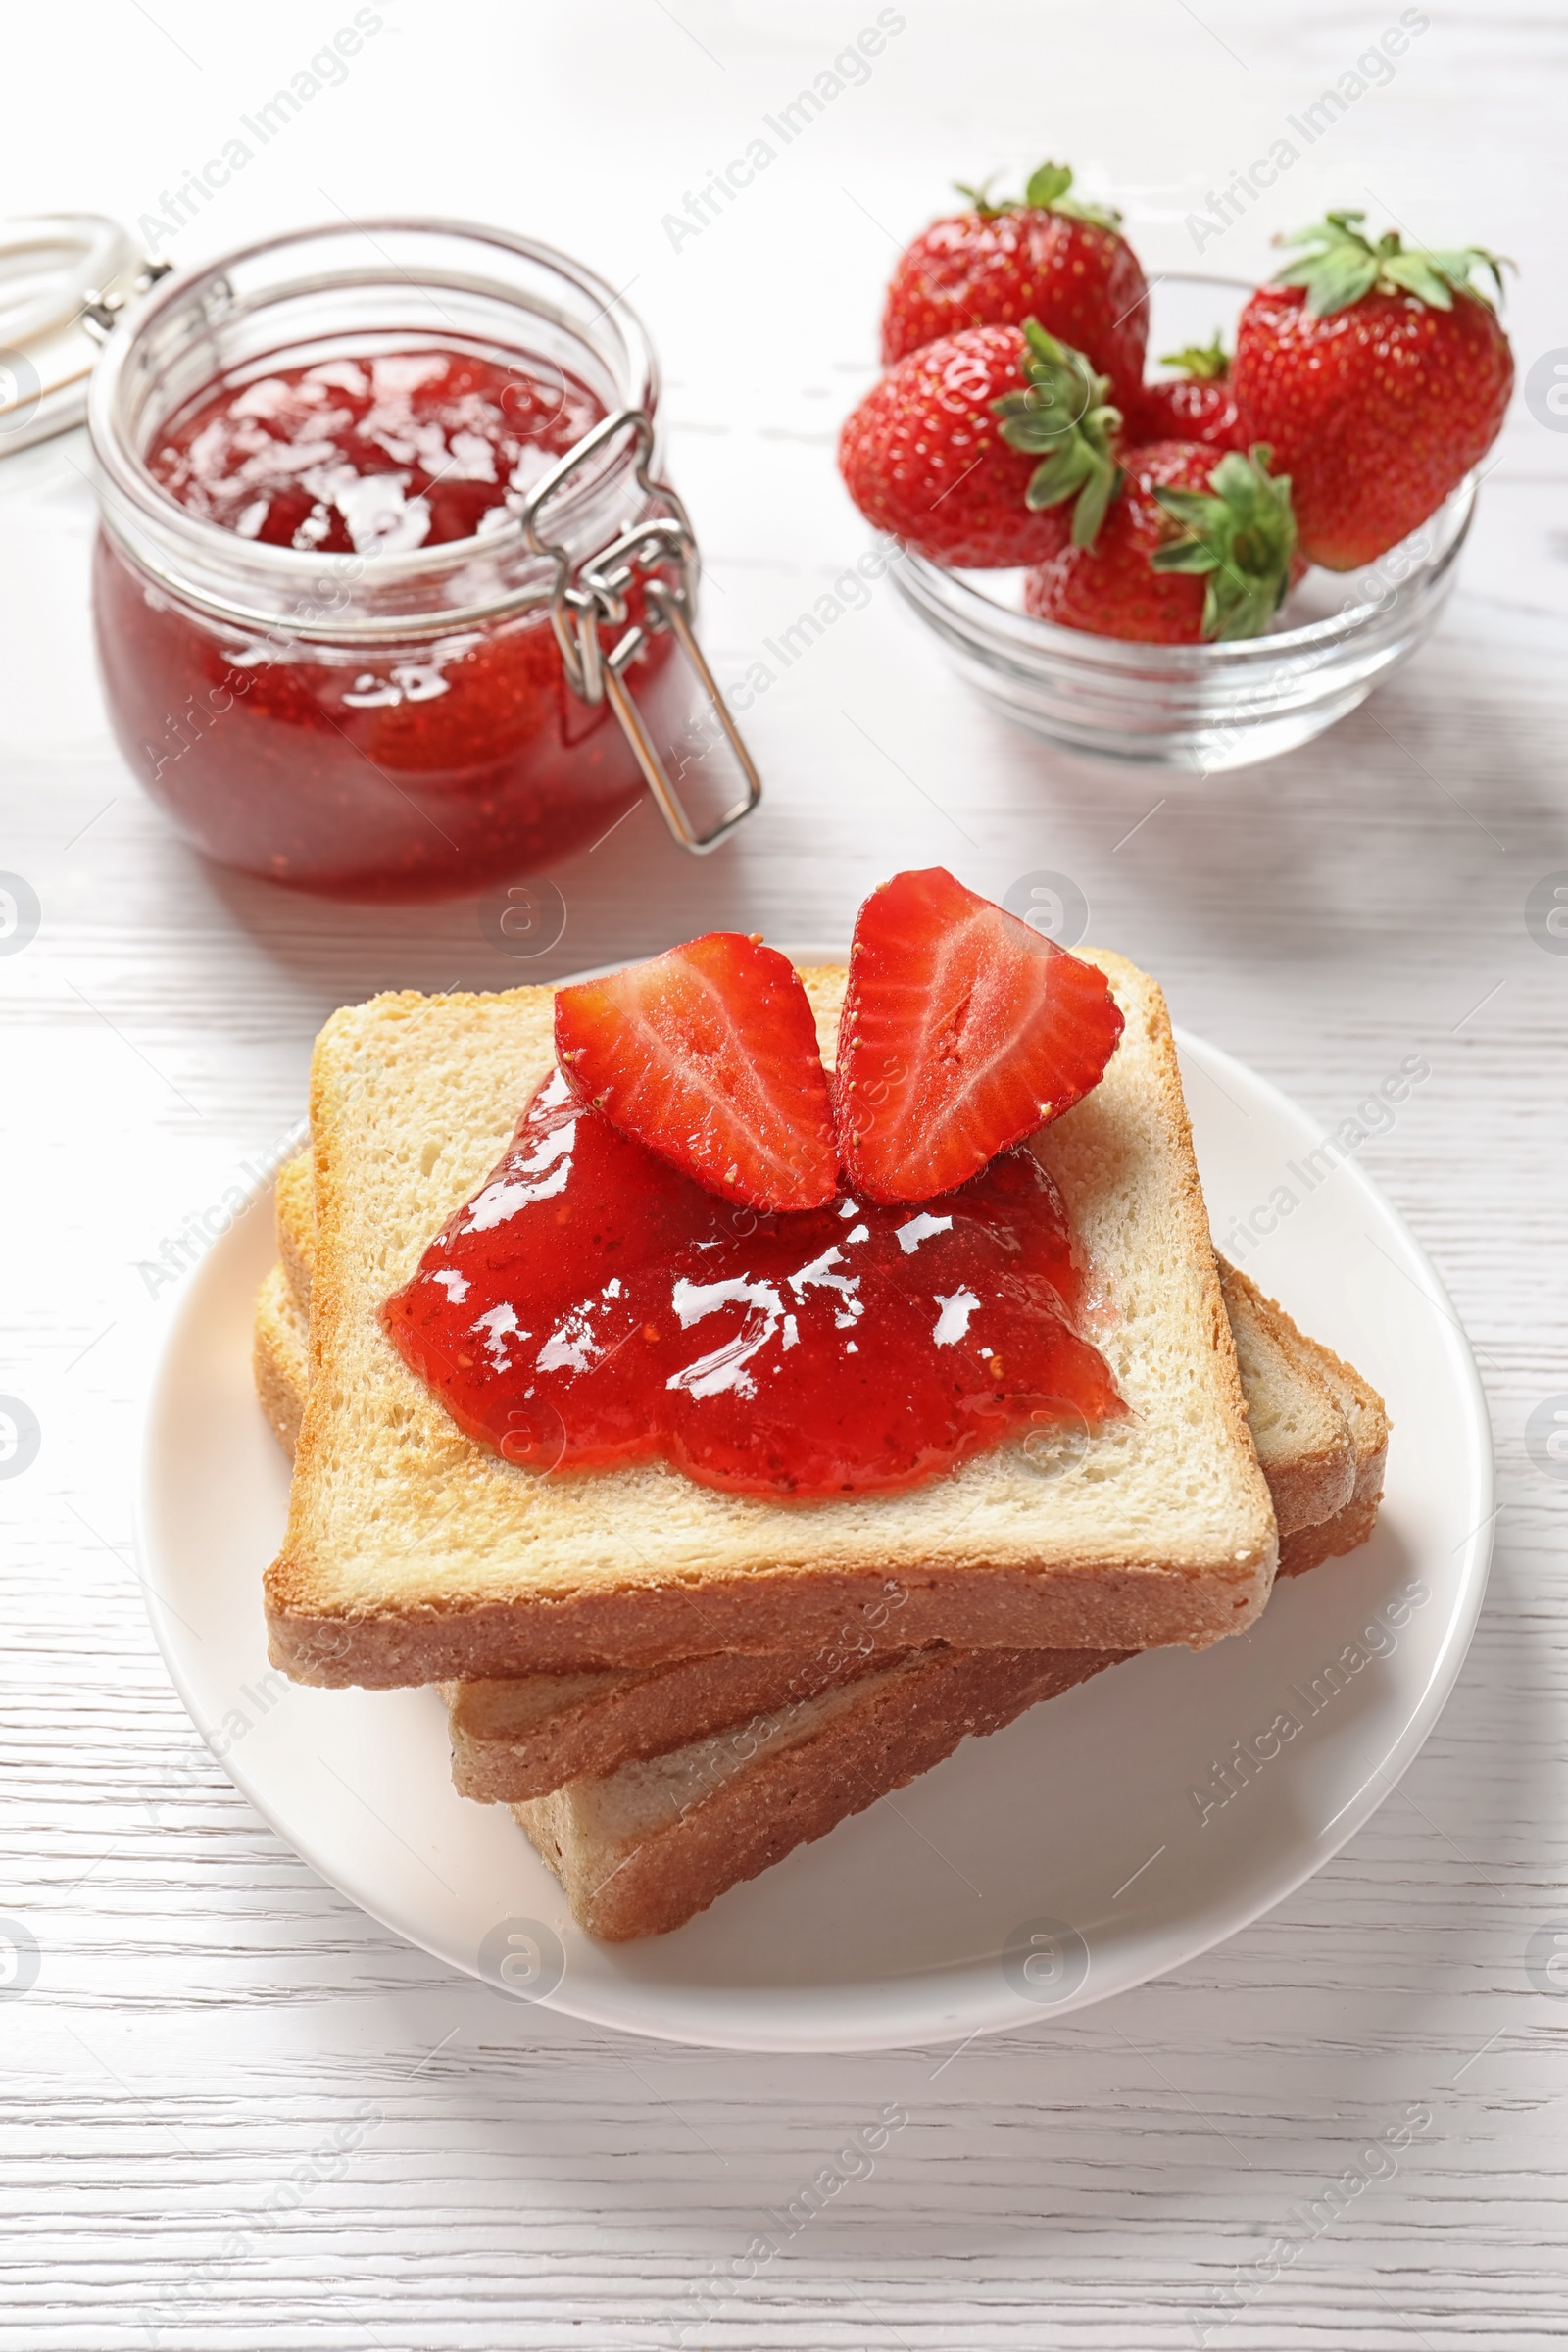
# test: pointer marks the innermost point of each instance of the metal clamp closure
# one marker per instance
(591, 599)
(101, 306)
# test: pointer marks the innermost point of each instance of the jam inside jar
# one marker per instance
(345, 642)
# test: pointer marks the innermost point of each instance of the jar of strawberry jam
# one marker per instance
(390, 596)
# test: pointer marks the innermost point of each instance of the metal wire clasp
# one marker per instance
(101, 306)
(591, 598)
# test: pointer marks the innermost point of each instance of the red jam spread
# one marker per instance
(373, 456)
(591, 1306)
(378, 769)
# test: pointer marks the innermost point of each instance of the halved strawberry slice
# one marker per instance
(962, 1031)
(708, 1054)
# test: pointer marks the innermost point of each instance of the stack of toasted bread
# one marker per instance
(674, 1686)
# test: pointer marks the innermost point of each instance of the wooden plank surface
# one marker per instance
(208, 2021)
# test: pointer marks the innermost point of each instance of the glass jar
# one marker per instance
(420, 722)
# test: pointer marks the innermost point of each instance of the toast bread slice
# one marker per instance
(525, 1736)
(280, 1356)
(529, 1736)
(1367, 1419)
(414, 1556)
(294, 1211)
(646, 1848)
(1298, 1425)
(643, 1846)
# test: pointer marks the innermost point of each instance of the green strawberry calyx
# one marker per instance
(1065, 417)
(1204, 363)
(1241, 533)
(1344, 265)
(1045, 192)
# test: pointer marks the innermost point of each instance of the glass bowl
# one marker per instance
(1199, 708)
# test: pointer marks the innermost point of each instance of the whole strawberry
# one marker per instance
(1194, 546)
(1051, 257)
(1199, 404)
(985, 450)
(1380, 377)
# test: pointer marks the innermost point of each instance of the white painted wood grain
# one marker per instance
(206, 2015)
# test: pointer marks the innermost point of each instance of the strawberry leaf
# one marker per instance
(1046, 184)
(1047, 189)
(1342, 265)
(1045, 192)
(1186, 556)
(1206, 362)
(1460, 267)
(1414, 275)
(1065, 417)
(980, 198)
(1241, 533)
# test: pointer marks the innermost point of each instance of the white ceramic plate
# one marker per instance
(1049, 1866)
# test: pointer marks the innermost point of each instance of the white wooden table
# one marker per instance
(206, 2019)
